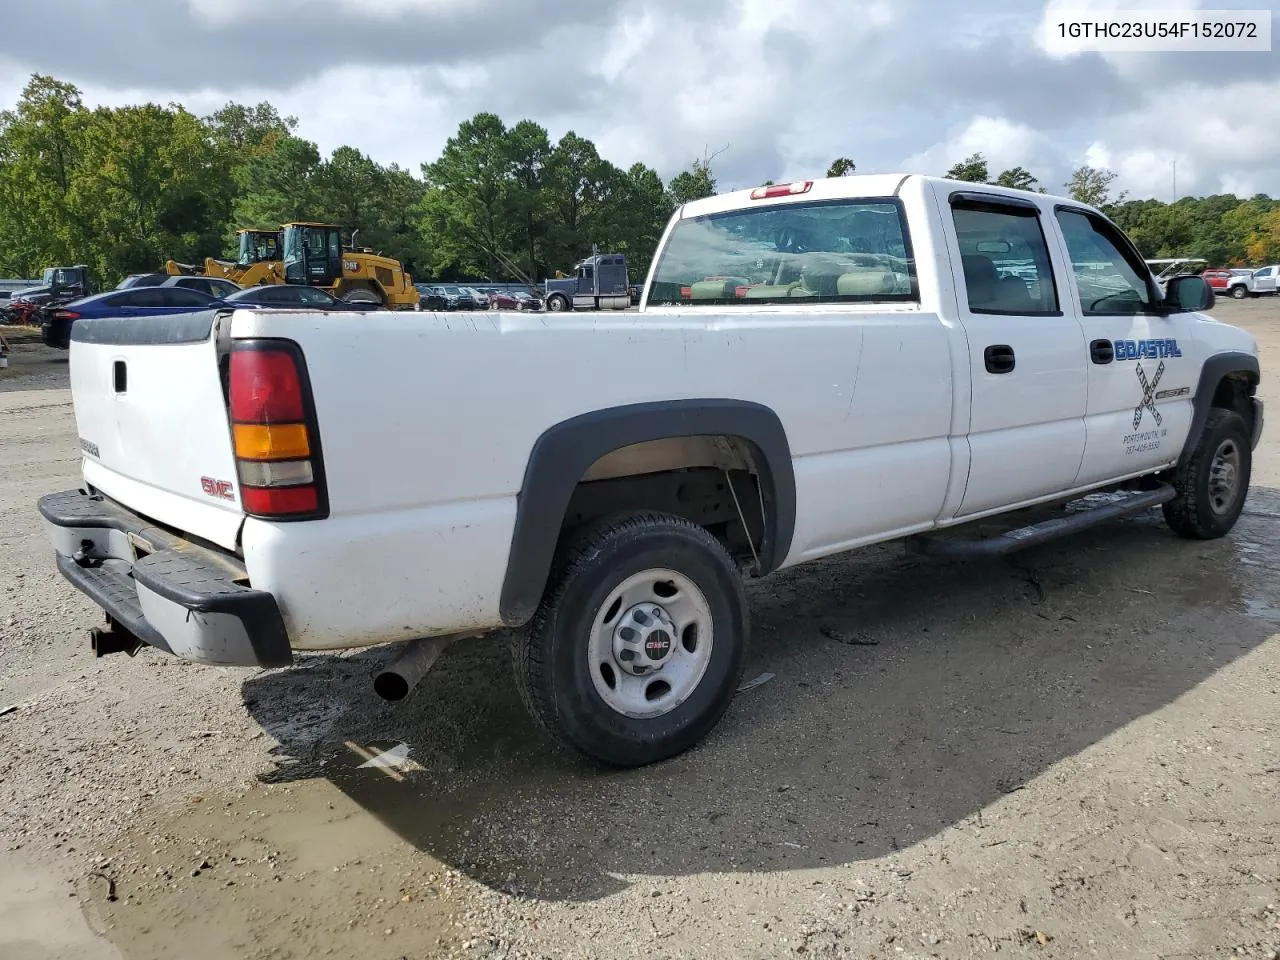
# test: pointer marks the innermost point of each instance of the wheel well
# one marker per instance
(1235, 392)
(713, 481)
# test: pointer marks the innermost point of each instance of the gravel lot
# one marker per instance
(1075, 752)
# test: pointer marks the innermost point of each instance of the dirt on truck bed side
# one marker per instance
(1073, 752)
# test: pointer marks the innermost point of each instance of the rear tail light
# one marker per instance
(274, 432)
(740, 291)
(686, 293)
(65, 315)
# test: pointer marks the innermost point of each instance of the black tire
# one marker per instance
(1239, 292)
(557, 303)
(1200, 511)
(363, 295)
(553, 669)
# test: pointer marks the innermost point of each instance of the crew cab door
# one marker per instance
(1142, 363)
(1026, 354)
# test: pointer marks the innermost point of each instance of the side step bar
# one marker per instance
(960, 548)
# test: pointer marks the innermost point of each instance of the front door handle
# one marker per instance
(999, 358)
(1102, 351)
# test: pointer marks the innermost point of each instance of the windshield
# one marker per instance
(845, 251)
(257, 247)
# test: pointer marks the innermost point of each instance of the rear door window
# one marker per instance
(146, 297)
(181, 297)
(1005, 259)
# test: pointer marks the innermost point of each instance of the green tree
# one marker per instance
(40, 157)
(149, 180)
(278, 185)
(1018, 178)
(641, 211)
(693, 184)
(464, 208)
(972, 168)
(841, 167)
(245, 129)
(1092, 186)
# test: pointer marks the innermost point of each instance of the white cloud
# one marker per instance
(1003, 143)
(788, 85)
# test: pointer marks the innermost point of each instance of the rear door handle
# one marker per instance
(999, 358)
(1102, 351)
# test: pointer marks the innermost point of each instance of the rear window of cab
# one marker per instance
(832, 251)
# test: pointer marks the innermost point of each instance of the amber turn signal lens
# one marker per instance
(271, 441)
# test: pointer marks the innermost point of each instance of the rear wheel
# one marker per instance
(1214, 482)
(1239, 292)
(638, 646)
(362, 295)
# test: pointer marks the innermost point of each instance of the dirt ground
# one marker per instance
(1072, 753)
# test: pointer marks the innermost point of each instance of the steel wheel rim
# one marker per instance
(1224, 476)
(669, 680)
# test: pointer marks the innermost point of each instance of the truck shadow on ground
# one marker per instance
(908, 695)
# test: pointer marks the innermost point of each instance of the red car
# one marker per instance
(1221, 279)
(513, 300)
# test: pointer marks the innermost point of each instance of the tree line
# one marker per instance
(122, 189)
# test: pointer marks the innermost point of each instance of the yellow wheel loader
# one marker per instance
(257, 261)
(312, 254)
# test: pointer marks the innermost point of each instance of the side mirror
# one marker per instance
(1188, 295)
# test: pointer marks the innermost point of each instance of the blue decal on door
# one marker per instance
(1146, 349)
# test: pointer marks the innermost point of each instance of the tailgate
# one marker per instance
(152, 420)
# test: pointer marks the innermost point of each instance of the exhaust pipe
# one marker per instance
(395, 680)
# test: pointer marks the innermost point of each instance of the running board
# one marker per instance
(958, 547)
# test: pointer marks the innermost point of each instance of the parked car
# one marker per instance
(214, 286)
(459, 297)
(432, 297)
(57, 321)
(153, 279)
(1265, 279)
(288, 296)
(612, 519)
(479, 297)
(513, 300)
(1235, 282)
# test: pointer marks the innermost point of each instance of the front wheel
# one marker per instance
(1213, 483)
(638, 645)
(557, 303)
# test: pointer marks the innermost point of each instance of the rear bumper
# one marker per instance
(179, 597)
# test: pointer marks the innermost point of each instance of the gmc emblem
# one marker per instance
(221, 489)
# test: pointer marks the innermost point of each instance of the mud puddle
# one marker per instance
(279, 871)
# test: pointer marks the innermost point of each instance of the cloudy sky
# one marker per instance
(785, 85)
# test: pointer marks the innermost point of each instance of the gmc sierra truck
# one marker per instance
(815, 366)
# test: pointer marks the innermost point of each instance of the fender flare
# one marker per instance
(1211, 374)
(561, 456)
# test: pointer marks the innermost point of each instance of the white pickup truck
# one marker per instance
(815, 367)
